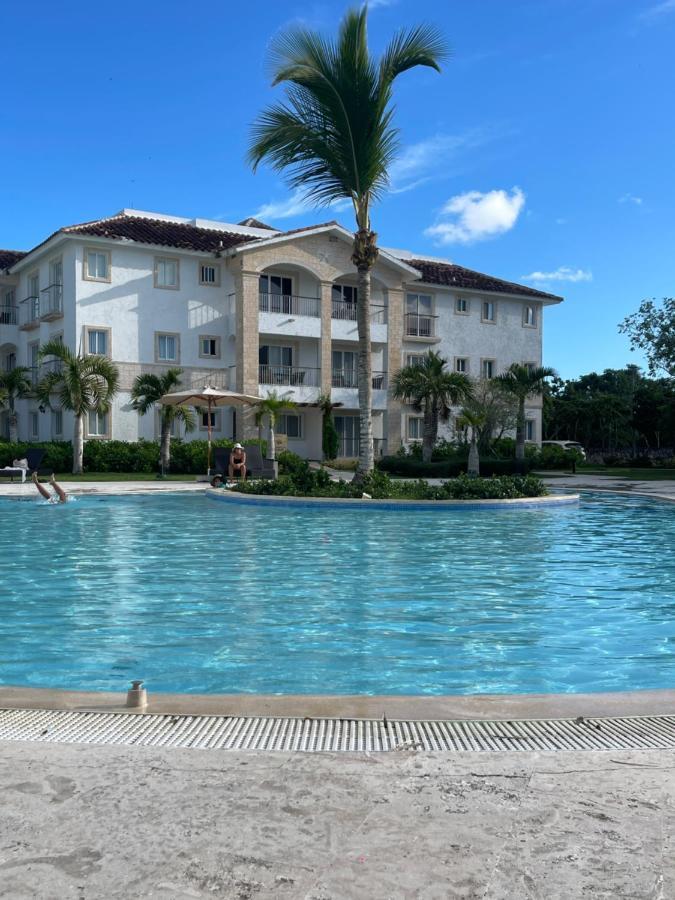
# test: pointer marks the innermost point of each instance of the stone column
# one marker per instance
(247, 290)
(326, 358)
(396, 300)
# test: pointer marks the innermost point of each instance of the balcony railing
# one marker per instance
(290, 304)
(30, 312)
(348, 378)
(342, 309)
(51, 302)
(290, 376)
(52, 366)
(417, 325)
(348, 448)
(7, 315)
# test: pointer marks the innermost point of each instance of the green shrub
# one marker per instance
(330, 439)
(58, 454)
(553, 456)
(409, 467)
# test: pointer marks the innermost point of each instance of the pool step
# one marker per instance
(334, 735)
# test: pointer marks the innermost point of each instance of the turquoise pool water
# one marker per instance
(199, 596)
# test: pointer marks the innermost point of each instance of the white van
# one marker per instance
(566, 445)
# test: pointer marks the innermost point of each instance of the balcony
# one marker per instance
(348, 378)
(289, 376)
(51, 367)
(51, 302)
(290, 305)
(344, 328)
(8, 315)
(29, 316)
(346, 312)
(420, 326)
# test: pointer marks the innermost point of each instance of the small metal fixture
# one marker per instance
(137, 696)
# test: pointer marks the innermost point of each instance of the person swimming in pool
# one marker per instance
(60, 495)
(237, 462)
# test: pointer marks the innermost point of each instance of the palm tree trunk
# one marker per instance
(520, 430)
(13, 423)
(365, 377)
(473, 465)
(429, 431)
(78, 445)
(165, 446)
(271, 442)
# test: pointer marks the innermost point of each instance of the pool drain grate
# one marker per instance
(337, 735)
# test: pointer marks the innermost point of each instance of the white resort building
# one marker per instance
(253, 309)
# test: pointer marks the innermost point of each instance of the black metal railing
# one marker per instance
(290, 376)
(348, 378)
(417, 325)
(51, 301)
(290, 304)
(346, 311)
(30, 310)
(7, 315)
(348, 448)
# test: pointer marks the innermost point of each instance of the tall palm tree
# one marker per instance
(271, 406)
(336, 135)
(146, 393)
(15, 385)
(431, 389)
(522, 382)
(475, 420)
(82, 384)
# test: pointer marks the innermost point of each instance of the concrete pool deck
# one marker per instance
(87, 822)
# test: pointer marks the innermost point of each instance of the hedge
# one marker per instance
(409, 467)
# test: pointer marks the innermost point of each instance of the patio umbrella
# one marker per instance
(210, 398)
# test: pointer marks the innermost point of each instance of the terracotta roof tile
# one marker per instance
(251, 222)
(450, 275)
(9, 257)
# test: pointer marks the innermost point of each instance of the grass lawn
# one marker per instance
(629, 474)
(119, 476)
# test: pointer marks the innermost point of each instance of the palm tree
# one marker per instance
(146, 393)
(330, 439)
(81, 383)
(432, 390)
(523, 382)
(336, 135)
(271, 406)
(15, 385)
(471, 418)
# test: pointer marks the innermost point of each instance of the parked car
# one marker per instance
(566, 445)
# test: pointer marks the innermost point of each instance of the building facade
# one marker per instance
(256, 310)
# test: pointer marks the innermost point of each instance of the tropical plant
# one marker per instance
(522, 382)
(475, 420)
(330, 439)
(496, 409)
(146, 394)
(81, 383)
(14, 385)
(271, 406)
(652, 329)
(431, 389)
(335, 134)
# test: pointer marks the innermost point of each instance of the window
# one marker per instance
(345, 368)
(488, 311)
(166, 347)
(34, 425)
(98, 341)
(530, 316)
(276, 293)
(214, 416)
(291, 425)
(33, 299)
(57, 422)
(275, 364)
(96, 265)
(209, 346)
(462, 306)
(530, 430)
(488, 367)
(97, 424)
(530, 366)
(419, 320)
(166, 272)
(174, 431)
(33, 361)
(209, 273)
(415, 428)
(414, 359)
(461, 364)
(347, 428)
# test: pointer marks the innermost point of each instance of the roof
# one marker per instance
(251, 222)
(9, 257)
(450, 275)
(160, 232)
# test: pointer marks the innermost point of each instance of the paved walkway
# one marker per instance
(27, 490)
(105, 822)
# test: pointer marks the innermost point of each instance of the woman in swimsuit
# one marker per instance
(237, 462)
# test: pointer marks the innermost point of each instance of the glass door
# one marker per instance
(347, 428)
(276, 293)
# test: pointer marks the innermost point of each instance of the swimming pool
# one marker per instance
(206, 597)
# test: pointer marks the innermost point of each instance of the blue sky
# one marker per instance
(543, 153)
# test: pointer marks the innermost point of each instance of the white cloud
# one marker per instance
(292, 206)
(561, 221)
(474, 216)
(631, 198)
(420, 162)
(658, 10)
(562, 273)
(379, 4)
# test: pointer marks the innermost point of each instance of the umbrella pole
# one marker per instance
(208, 451)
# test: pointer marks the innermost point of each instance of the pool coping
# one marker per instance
(274, 500)
(483, 707)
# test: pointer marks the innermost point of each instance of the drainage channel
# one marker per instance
(335, 735)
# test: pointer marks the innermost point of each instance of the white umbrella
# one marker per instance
(209, 397)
